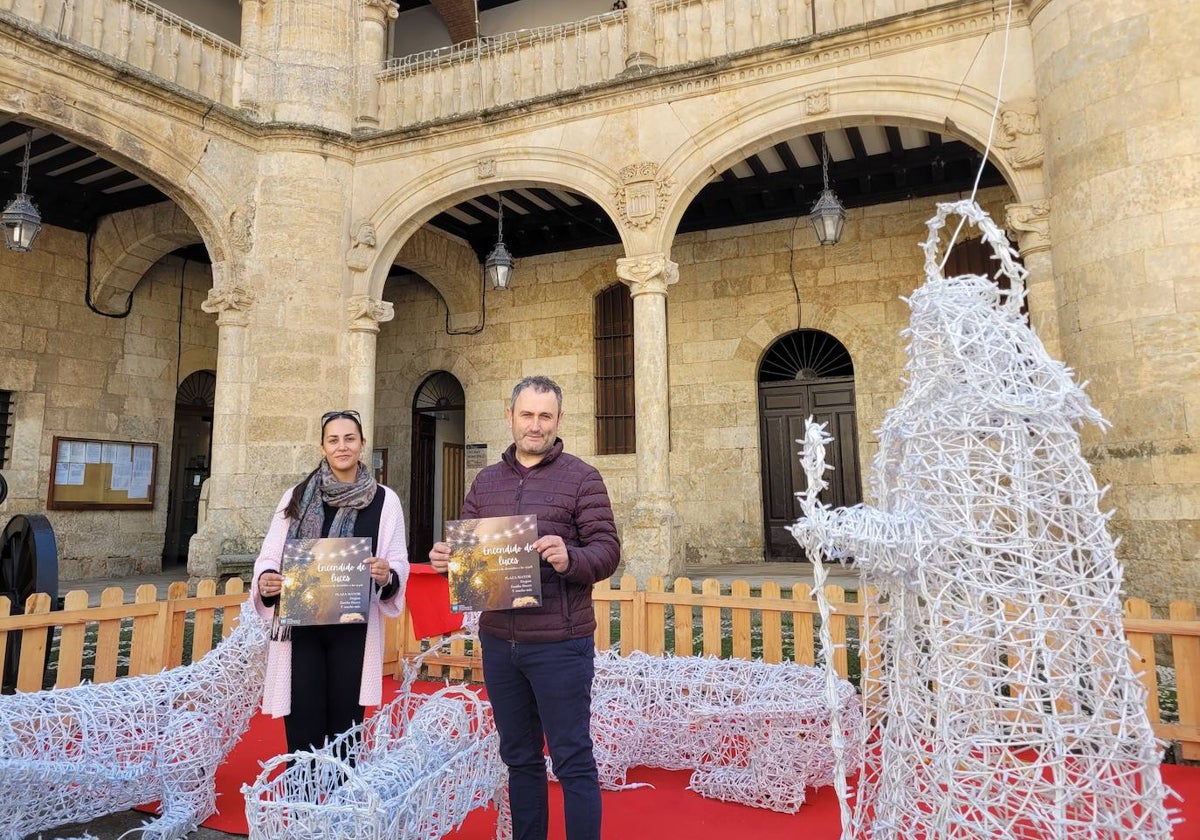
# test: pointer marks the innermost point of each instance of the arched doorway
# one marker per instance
(806, 372)
(191, 450)
(438, 463)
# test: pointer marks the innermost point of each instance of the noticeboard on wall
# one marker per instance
(90, 474)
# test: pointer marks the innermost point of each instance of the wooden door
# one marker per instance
(783, 408)
(190, 451)
(421, 487)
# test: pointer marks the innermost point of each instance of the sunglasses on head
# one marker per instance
(335, 415)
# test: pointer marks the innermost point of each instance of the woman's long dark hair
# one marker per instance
(292, 511)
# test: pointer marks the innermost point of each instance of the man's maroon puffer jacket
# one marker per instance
(570, 500)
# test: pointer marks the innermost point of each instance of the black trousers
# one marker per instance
(326, 678)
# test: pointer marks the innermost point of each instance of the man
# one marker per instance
(538, 662)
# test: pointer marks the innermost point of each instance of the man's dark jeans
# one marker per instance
(536, 689)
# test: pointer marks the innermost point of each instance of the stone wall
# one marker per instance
(734, 297)
(79, 374)
(1120, 112)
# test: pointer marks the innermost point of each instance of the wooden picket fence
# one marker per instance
(769, 624)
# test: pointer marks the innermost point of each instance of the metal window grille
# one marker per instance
(6, 424)
(614, 371)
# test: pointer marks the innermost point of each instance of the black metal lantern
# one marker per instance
(21, 220)
(499, 264)
(827, 214)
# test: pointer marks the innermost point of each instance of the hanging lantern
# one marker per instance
(827, 214)
(21, 220)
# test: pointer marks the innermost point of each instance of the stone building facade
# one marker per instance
(309, 171)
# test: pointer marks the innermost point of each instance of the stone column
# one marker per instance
(639, 36)
(231, 303)
(252, 56)
(653, 536)
(305, 52)
(372, 49)
(1121, 171)
(366, 314)
(1029, 224)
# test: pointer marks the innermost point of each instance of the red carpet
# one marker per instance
(666, 811)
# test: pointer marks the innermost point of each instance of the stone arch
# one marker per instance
(127, 244)
(415, 202)
(161, 146)
(446, 263)
(938, 105)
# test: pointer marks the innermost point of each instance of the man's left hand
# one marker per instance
(554, 551)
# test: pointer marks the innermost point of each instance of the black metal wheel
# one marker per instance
(28, 564)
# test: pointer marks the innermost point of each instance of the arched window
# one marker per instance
(613, 332)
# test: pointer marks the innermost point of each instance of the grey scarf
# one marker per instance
(324, 488)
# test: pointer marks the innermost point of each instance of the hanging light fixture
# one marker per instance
(499, 263)
(21, 220)
(827, 214)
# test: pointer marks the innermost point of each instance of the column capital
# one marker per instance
(1030, 225)
(230, 303)
(366, 313)
(382, 9)
(649, 273)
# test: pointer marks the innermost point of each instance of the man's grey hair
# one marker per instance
(541, 384)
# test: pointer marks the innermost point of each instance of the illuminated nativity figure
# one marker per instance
(1004, 706)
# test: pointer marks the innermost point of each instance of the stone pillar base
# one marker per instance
(202, 556)
(652, 541)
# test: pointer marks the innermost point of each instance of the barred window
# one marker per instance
(6, 425)
(614, 371)
(974, 256)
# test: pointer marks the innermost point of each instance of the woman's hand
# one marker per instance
(270, 584)
(381, 572)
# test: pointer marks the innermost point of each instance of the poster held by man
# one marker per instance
(493, 564)
(325, 581)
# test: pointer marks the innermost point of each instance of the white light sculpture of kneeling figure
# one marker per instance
(1005, 705)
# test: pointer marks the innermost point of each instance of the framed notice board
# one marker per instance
(88, 474)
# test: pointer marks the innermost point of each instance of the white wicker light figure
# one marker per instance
(71, 755)
(1005, 706)
(413, 770)
(753, 732)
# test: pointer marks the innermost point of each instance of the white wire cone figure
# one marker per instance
(1005, 705)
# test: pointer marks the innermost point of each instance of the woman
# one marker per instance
(321, 678)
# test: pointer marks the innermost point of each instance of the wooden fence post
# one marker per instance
(684, 638)
(710, 616)
(70, 643)
(633, 616)
(656, 618)
(1186, 650)
(32, 671)
(804, 648)
(772, 624)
